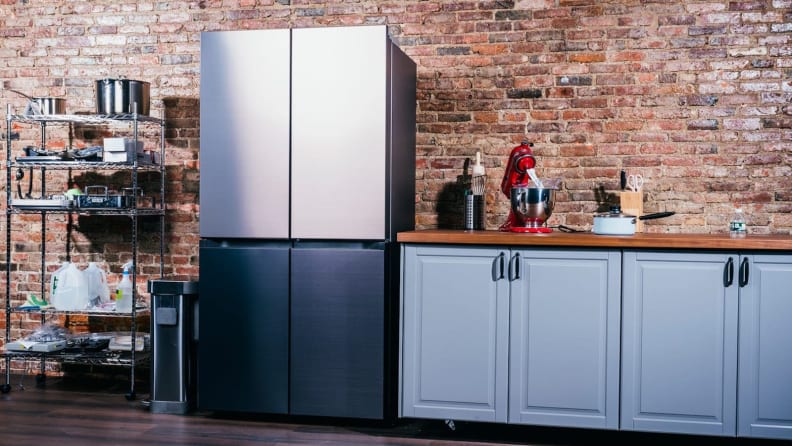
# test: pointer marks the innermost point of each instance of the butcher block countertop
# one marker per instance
(589, 240)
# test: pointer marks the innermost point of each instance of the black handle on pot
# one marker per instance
(657, 215)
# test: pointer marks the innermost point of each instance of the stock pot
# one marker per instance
(122, 96)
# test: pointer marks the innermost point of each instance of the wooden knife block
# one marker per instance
(632, 204)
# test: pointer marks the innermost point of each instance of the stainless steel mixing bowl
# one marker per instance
(532, 206)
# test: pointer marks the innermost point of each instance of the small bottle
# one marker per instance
(123, 297)
(737, 228)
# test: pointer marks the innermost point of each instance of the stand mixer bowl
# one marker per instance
(532, 206)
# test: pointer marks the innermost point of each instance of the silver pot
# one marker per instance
(47, 106)
(43, 105)
(614, 222)
(532, 206)
(122, 96)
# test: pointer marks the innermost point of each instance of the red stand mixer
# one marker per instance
(530, 206)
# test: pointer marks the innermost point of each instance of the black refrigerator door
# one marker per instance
(244, 327)
(337, 344)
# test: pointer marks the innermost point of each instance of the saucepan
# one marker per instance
(614, 222)
(43, 105)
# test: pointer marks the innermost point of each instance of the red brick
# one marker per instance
(587, 58)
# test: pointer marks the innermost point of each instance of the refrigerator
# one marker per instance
(307, 164)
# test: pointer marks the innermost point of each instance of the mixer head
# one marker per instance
(520, 219)
(520, 161)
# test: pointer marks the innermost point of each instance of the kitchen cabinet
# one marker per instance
(684, 314)
(564, 343)
(133, 205)
(764, 392)
(679, 347)
(455, 333)
(493, 334)
(308, 145)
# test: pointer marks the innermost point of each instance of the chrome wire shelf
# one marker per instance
(124, 123)
(85, 119)
(88, 211)
(103, 357)
(78, 164)
(139, 312)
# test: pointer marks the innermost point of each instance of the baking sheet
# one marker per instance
(42, 203)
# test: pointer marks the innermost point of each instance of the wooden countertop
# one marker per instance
(589, 240)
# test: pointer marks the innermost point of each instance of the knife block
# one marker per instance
(632, 204)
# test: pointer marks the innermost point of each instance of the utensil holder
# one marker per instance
(632, 204)
(474, 212)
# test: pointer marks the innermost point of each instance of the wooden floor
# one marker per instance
(63, 414)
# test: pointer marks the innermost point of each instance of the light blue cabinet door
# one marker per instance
(455, 317)
(679, 350)
(765, 368)
(564, 353)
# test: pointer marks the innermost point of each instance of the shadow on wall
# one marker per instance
(104, 236)
(605, 199)
(451, 201)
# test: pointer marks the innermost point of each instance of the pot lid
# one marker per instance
(614, 212)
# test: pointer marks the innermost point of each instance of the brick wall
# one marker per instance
(693, 95)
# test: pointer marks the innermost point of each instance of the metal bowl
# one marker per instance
(532, 206)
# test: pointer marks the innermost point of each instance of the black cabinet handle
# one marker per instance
(514, 267)
(744, 272)
(728, 273)
(498, 267)
(517, 267)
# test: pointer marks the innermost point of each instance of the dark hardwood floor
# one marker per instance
(67, 413)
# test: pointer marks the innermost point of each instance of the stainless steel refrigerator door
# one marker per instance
(243, 348)
(337, 332)
(244, 154)
(339, 116)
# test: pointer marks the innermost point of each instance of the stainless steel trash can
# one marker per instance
(174, 344)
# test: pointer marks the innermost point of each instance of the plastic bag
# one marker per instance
(54, 282)
(72, 290)
(98, 291)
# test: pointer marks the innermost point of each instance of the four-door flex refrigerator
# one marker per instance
(307, 173)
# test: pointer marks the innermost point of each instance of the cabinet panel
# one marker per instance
(455, 334)
(337, 332)
(244, 322)
(679, 343)
(765, 390)
(564, 343)
(245, 134)
(339, 118)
